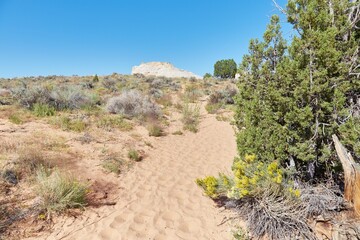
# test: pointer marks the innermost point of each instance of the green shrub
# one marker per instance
(16, 119)
(213, 108)
(207, 75)
(68, 124)
(43, 110)
(225, 68)
(251, 178)
(241, 234)
(155, 130)
(59, 191)
(113, 165)
(95, 78)
(177, 133)
(134, 155)
(191, 117)
(108, 122)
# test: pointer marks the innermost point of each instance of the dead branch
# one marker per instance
(351, 175)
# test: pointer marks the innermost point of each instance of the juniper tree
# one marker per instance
(225, 68)
(291, 102)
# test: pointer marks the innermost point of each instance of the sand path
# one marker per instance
(159, 198)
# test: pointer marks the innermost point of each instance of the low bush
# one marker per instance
(219, 98)
(155, 130)
(113, 165)
(59, 191)
(177, 133)
(43, 110)
(165, 100)
(9, 176)
(134, 155)
(191, 117)
(16, 119)
(109, 83)
(133, 104)
(165, 83)
(262, 195)
(110, 122)
(70, 98)
(156, 93)
(27, 97)
(213, 108)
(31, 159)
(68, 124)
(60, 98)
(192, 93)
(250, 178)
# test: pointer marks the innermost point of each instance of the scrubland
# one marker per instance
(67, 142)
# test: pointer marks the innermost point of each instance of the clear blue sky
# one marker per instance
(85, 37)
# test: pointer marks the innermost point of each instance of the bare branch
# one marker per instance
(279, 7)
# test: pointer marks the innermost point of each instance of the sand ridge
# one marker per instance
(159, 198)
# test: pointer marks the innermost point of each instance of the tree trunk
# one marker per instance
(351, 175)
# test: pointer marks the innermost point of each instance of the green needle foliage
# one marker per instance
(292, 98)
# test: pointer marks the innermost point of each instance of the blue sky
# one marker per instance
(86, 37)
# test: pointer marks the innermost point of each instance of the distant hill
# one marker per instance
(163, 69)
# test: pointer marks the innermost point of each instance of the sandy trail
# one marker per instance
(159, 198)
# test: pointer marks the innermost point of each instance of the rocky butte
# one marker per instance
(163, 69)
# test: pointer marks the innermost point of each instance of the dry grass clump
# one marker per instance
(280, 216)
(30, 159)
(320, 200)
(276, 217)
(59, 191)
(133, 104)
(191, 117)
(8, 146)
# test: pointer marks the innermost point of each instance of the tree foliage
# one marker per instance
(293, 97)
(225, 68)
(207, 75)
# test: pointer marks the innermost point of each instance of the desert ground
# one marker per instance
(152, 197)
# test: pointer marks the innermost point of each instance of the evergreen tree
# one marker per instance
(290, 103)
(225, 68)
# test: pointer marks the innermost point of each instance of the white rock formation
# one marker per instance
(163, 69)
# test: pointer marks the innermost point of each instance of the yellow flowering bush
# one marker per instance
(251, 177)
(209, 184)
